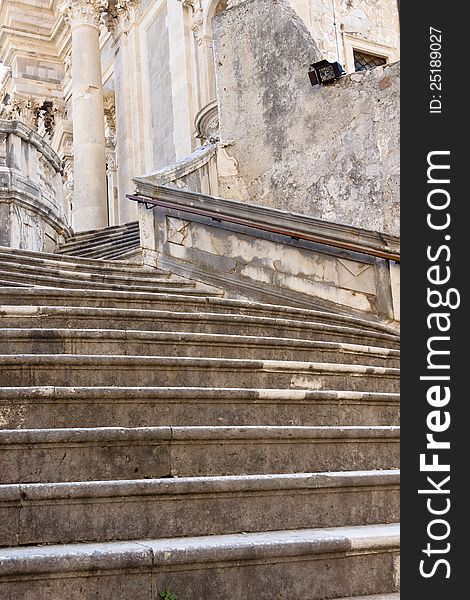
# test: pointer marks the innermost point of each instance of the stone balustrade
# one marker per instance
(262, 254)
(33, 211)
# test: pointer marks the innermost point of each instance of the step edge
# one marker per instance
(147, 554)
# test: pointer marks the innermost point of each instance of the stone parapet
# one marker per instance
(269, 255)
(32, 206)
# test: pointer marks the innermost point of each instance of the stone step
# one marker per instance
(60, 455)
(374, 597)
(62, 277)
(102, 248)
(157, 343)
(151, 301)
(115, 370)
(59, 513)
(51, 407)
(124, 253)
(84, 269)
(103, 231)
(131, 235)
(163, 287)
(133, 255)
(14, 254)
(101, 235)
(64, 317)
(281, 564)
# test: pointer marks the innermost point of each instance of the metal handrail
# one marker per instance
(151, 203)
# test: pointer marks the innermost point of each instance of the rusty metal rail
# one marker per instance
(292, 233)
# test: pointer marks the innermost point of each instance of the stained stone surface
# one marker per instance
(328, 151)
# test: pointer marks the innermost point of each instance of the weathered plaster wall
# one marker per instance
(328, 151)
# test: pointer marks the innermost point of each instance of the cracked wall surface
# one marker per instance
(327, 151)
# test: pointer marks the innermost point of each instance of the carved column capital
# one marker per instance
(24, 109)
(120, 15)
(83, 12)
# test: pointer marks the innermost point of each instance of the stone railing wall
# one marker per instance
(196, 172)
(259, 253)
(33, 215)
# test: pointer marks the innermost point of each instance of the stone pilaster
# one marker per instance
(125, 146)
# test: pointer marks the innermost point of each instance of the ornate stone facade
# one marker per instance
(156, 59)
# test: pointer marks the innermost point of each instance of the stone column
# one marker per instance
(89, 147)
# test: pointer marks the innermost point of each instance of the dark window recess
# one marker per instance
(364, 61)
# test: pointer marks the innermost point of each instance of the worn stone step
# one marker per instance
(115, 370)
(101, 238)
(133, 255)
(14, 254)
(101, 248)
(50, 407)
(119, 253)
(41, 274)
(151, 301)
(107, 232)
(102, 511)
(164, 287)
(282, 564)
(102, 231)
(65, 317)
(55, 455)
(114, 232)
(374, 597)
(157, 343)
(83, 269)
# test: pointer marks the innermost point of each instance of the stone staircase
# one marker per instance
(119, 242)
(157, 436)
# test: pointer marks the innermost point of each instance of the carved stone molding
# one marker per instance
(3, 148)
(83, 12)
(207, 123)
(68, 65)
(197, 18)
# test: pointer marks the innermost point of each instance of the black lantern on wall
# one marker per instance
(325, 72)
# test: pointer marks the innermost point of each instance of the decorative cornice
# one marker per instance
(83, 12)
